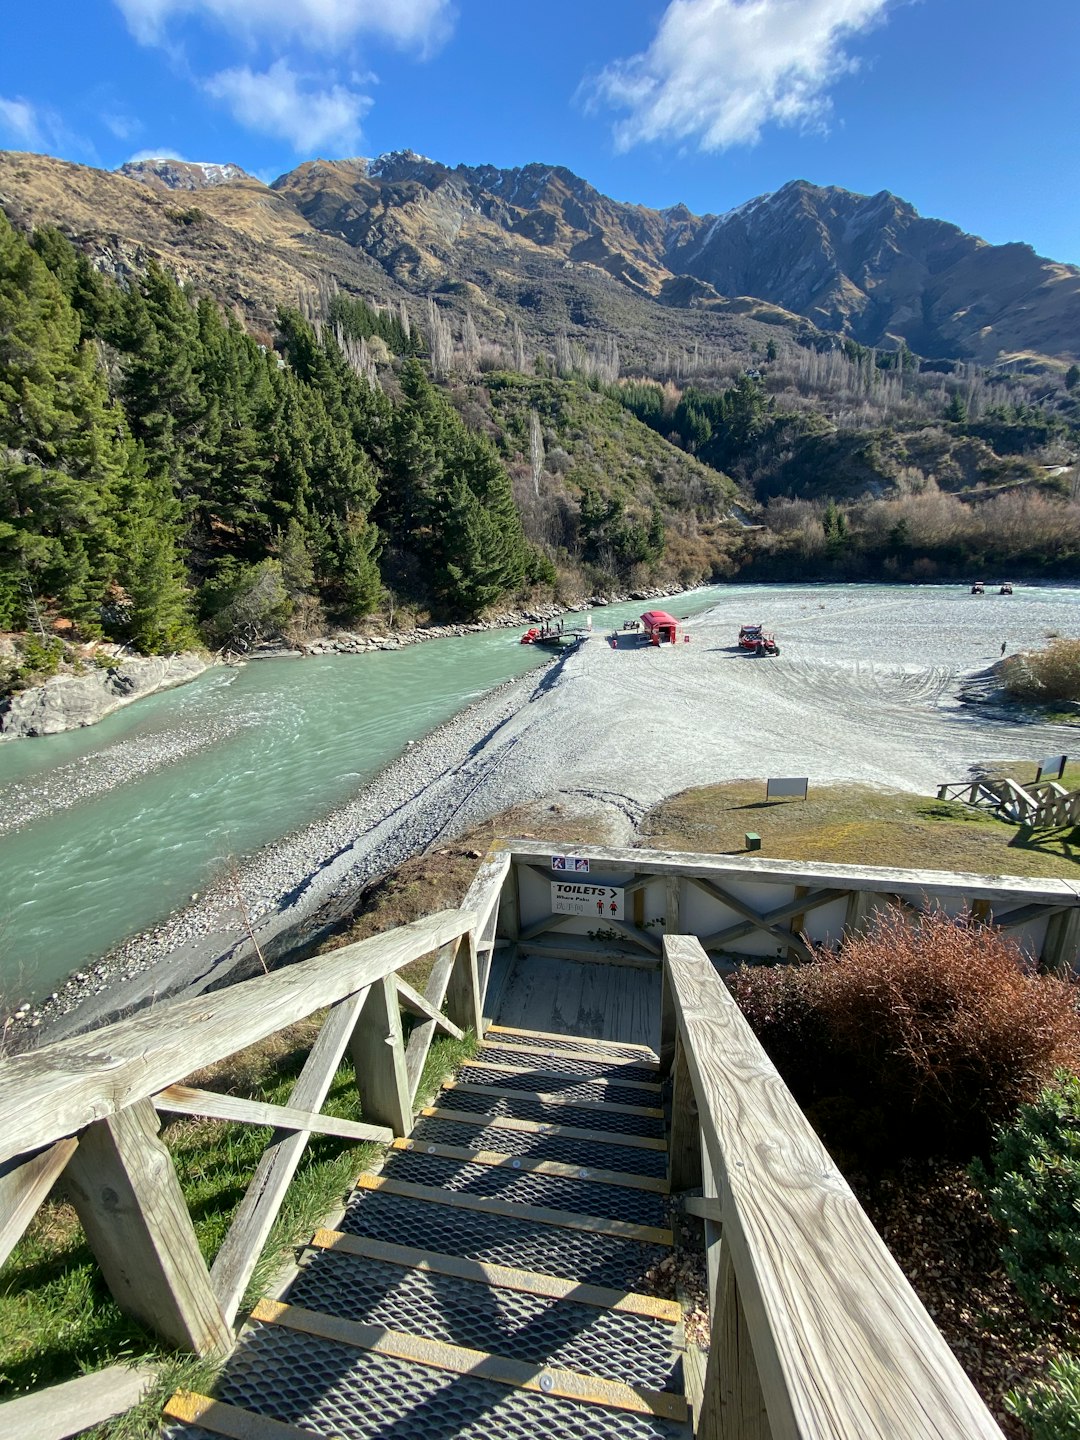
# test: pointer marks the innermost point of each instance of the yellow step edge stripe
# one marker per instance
(542, 1127)
(604, 1081)
(499, 1277)
(230, 1420)
(649, 1112)
(478, 1364)
(623, 1178)
(645, 1050)
(538, 1214)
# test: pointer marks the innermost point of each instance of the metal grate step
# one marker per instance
(569, 1062)
(538, 1110)
(526, 1188)
(568, 1150)
(617, 1049)
(331, 1389)
(609, 1343)
(582, 1255)
(568, 1087)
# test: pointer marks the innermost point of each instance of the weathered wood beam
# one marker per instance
(64, 1086)
(684, 1136)
(463, 990)
(183, 1100)
(938, 883)
(733, 1406)
(123, 1185)
(784, 938)
(545, 923)
(256, 1213)
(792, 911)
(415, 1003)
(421, 1036)
(63, 1411)
(23, 1186)
(842, 1345)
(1062, 943)
(378, 1053)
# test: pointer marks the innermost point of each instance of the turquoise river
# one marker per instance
(104, 831)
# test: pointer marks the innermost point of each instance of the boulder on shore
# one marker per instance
(66, 702)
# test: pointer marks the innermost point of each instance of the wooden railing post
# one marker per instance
(1062, 943)
(732, 1406)
(378, 1052)
(127, 1195)
(684, 1145)
(463, 990)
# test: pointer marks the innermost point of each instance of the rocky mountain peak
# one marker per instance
(171, 174)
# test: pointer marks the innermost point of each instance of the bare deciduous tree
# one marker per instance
(536, 450)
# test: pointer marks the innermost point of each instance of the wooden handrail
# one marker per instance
(63, 1087)
(841, 1345)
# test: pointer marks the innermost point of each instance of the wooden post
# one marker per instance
(24, 1184)
(669, 1022)
(124, 1188)
(463, 990)
(378, 1051)
(860, 911)
(684, 1145)
(1062, 944)
(732, 1406)
(509, 923)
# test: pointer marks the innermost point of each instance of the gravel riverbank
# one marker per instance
(866, 689)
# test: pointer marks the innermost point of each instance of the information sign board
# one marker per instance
(569, 897)
(577, 864)
(793, 786)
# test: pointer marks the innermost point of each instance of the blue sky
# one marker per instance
(967, 108)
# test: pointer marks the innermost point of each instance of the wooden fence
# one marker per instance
(745, 909)
(1044, 805)
(87, 1109)
(815, 1331)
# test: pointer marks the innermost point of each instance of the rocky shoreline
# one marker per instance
(71, 701)
(348, 642)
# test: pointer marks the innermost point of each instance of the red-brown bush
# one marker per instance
(935, 1028)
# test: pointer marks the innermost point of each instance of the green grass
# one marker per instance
(57, 1319)
(861, 825)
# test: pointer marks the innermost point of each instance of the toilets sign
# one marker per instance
(570, 898)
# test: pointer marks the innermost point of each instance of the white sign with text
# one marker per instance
(570, 898)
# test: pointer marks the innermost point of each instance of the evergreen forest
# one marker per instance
(165, 476)
(171, 476)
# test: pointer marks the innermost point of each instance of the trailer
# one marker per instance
(660, 628)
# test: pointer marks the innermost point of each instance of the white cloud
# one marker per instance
(19, 119)
(124, 127)
(275, 102)
(164, 154)
(317, 24)
(721, 70)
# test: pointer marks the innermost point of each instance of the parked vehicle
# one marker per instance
(758, 640)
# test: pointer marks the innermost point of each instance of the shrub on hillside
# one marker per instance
(923, 1035)
(1050, 674)
(1031, 1183)
(1050, 1408)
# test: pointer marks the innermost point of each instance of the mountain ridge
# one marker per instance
(540, 244)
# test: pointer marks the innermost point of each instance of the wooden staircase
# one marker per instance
(490, 1279)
